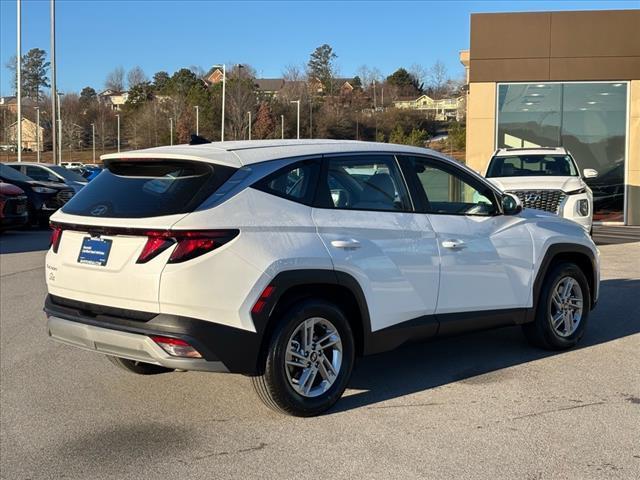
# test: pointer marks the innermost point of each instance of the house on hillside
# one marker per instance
(30, 133)
(11, 103)
(113, 99)
(443, 109)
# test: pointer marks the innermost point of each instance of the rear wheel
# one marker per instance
(309, 361)
(139, 368)
(562, 310)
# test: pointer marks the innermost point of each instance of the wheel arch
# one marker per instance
(580, 255)
(293, 286)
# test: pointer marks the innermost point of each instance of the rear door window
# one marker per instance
(363, 182)
(136, 189)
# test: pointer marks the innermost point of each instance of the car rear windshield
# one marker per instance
(532, 165)
(149, 188)
(67, 174)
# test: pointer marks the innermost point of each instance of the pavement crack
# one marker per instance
(554, 410)
(255, 448)
(402, 405)
(22, 271)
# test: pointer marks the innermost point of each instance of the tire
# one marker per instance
(541, 332)
(279, 386)
(139, 368)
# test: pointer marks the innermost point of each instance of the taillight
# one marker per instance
(189, 243)
(176, 347)
(192, 244)
(157, 242)
(56, 235)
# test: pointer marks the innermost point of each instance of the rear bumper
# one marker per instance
(125, 333)
(132, 346)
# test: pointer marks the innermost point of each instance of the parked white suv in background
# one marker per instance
(284, 260)
(546, 179)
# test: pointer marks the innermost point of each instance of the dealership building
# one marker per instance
(569, 79)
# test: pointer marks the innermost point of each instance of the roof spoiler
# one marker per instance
(198, 140)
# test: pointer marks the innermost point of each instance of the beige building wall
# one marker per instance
(633, 158)
(481, 122)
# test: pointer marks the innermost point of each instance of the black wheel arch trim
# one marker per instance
(553, 252)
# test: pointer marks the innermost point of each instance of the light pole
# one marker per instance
(58, 94)
(118, 118)
(249, 113)
(298, 123)
(54, 137)
(19, 78)
(224, 89)
(93, 137)
(38, 133)
(282, 126)
(197, 119)
(170, 130)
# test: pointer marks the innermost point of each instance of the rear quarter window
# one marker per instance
(137, 189)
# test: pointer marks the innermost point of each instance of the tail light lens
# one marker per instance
(189, 243)
(176, 347)
(56, 235)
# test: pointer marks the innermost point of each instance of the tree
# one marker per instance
(87, 97)
(321, 67)
(438, 80)
(34, 73)
(264, 125)
(115, 80)
(136, 76)
(356, 83)
(139, 94)
(160, 80)
(405, 83)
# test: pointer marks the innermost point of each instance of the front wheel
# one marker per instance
(309, 361)
(562, 310)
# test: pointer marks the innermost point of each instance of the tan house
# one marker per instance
(443, 109)
(561, 79)
(30, 134)
(114, 100)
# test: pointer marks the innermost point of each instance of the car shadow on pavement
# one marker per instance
(481, 357)
(29, 240)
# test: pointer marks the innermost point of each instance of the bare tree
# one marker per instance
(115, 80)
(136, 76)
(438, 79)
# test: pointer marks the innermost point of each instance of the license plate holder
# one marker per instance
(94, 251)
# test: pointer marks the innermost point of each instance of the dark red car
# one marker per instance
(13, 206)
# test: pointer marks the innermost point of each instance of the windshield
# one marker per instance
(532, 165)
(68, 174)
(11, 174)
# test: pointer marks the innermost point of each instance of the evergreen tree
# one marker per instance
(321, 66)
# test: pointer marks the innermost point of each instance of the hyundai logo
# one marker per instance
(531, 197)
(99, 210)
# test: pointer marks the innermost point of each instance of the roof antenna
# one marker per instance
(198, 140)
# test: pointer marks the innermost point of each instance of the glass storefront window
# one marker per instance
(589, 119)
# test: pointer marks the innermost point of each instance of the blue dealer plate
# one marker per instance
(94, 251)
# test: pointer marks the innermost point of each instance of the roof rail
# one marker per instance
(198, 140)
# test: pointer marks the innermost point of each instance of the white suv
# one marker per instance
(284, 260)
(546, 179)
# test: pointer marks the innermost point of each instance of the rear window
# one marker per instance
(136, 189)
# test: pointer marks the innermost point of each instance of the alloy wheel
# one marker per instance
(566, 306)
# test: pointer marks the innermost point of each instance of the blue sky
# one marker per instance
(93, 37)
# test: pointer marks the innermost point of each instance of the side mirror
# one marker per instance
(589, 173)
(511, 204)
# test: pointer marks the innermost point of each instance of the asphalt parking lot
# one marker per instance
(483, 405)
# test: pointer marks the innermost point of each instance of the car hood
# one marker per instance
(9, 189)
(566, 184)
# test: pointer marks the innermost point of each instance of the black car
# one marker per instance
(43, 198)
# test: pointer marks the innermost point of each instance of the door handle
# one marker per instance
(346, 244)
(453, 244)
